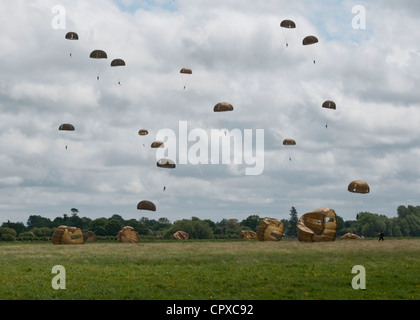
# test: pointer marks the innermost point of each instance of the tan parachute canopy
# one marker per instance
(358, 186)
(146, 205)
(90, 236)
(289, 142)
(329, 105)
(67, 235)
(186, 70)
(309, 40)
(98, 54)
(143, 132)
(180, 235)
(166, 163)
(318, 225)
(157, 144)
(350, 236)
(248, 235)
(128, 234)
(72, 36)
(223, 107)
(117, 63)
(66, 127)
(288, 24)
(270, 230)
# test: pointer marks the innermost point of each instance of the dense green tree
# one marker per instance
(19, 227)
(293, 220)
(36, 221)
(196, 228)
(252, 222)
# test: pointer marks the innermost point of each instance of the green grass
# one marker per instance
(220, 270)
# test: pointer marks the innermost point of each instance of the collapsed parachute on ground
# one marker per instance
(98, 54)
(309, 40)
(66, 127)
(72, 36)
(289, 24)
(143, 132)
(329, 105)
(157, 144)
(358, 186)
(166, 163)
(186, 70)
(67, 235)
(180, 235)
(248, 235)
(350, 235)
(223, 107)
(146, 205)
(317, 226)
(289, 142)
(270, 230)
(127, 234)
(90, 236)
(117, 63)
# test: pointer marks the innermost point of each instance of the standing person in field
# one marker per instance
(381, 236)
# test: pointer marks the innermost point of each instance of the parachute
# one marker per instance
(180, 235)
(186, 70)
(223, 107)
(319, 225)
(289, 142)
(117, 63)
(248, 235)
(157, 144)
(289, 24)
(72, 36)
(143, 132)
(349, 235)
(358, 186)
(128, 234)
(98, 54)
(67, 235)
(146, 205)
(270, 230)
(66, 127)
(166, 163)
(329, 105)
(309, 40)
(90, 236)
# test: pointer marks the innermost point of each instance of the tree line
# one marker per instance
(367, 224)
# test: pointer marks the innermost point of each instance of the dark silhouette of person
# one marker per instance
(381, 236)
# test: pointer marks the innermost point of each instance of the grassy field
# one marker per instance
(220, 270)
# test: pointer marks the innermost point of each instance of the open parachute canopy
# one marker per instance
(270, 230)
(309, 40)
(66, 127)
(319, 225)
(67, 235)
(143, 132)
(127, 234)
(146, 205)
(329, 105)
(289, 142)
(166, 163)
(358, 186)
(72, 36)
(186, 70)
(157, 144)
(223, 107)
(117, 63)
(288, 24)
(98, 54)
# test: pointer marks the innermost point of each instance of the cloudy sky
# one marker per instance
(367, 61)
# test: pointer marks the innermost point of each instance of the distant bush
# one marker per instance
(7, 237)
